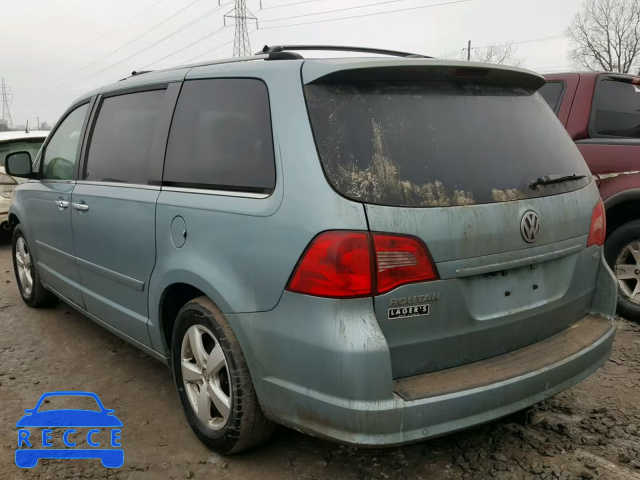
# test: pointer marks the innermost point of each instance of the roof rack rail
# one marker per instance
(276, 49)
(135, 74)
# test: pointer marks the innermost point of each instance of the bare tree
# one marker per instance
(605, 35)
(501, 54)
(504, 54)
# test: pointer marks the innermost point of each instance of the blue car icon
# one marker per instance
(68, 418)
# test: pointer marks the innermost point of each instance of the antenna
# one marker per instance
(7, 96)
(241, 44)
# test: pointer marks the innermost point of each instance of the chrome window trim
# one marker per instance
(49, 180)
(219, 193)
(118, 184)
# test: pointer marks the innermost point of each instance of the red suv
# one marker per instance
(601, 112)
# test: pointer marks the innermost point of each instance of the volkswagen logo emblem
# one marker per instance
(530, 226)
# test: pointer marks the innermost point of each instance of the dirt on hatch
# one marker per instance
(590, 431)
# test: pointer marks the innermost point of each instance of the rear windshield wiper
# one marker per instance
(551, 179)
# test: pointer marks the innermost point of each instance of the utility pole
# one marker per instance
(6, 95)
(241, 44)
(469, 51)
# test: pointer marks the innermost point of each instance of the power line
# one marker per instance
(91, 42)
(135, 39)
(208, 52)
(369, 14)
(193, 22)
(290, 4)
(187, 62)
(146, 10)
(332, 11)
(184, 48)
(79, 92)
(541, 39)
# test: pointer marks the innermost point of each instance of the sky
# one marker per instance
(52, 51)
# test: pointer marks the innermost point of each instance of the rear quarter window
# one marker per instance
(221, 137)
(617, 110)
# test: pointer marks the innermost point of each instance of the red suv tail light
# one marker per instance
(598, 229)
(340, 264)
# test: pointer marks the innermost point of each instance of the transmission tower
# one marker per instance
(5, 93)
(241, 44)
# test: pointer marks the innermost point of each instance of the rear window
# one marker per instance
(617, 109)
(439, 144)
(552, 94)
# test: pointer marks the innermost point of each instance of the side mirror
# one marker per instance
(18, 164)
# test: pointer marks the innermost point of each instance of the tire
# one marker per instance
(36, 296)
(245, 425)
(619, 242)
(5, 233)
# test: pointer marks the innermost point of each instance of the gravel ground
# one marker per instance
(590, 431)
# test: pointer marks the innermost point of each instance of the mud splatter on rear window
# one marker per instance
(438, 145)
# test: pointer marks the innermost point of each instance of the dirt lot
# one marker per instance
(590, 431)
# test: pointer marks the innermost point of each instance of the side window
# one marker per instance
(122, 136)
(552, 92)
(61, 151)
(221, 137)
(617, 109)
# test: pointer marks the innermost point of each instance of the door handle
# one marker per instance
(61, 204)
(80, 206)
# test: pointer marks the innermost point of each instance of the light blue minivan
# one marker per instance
(372, 250)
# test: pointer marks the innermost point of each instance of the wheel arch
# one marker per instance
(175, 296)
(621, 208)
(167, 301)
(13, 219)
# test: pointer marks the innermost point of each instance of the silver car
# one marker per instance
(11, 142)
(375, 251)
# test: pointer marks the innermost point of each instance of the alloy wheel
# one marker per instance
(25, 266)
(628, 271)
(205, 375)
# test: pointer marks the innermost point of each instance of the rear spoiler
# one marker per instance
(354, 71)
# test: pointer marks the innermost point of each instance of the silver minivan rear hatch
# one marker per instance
(470, 160)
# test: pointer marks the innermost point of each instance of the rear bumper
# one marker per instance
(419, 411)
(323, 367)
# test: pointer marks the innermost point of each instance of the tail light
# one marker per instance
(598, 229)
(336, 264)
(7, 185)
(341, 264)
(401, 260)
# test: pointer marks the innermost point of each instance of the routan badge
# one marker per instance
(412, 306)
